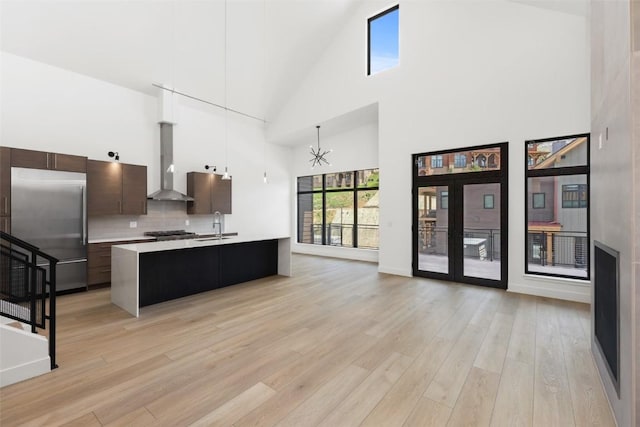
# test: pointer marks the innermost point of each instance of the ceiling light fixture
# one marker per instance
(264, 85)
(226, 104)
(114, 154)
(318, 155)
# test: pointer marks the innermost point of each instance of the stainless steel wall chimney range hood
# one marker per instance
(166, 191)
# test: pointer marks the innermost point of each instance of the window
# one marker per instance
(444, 200)
(339, 209)
(557, 215)
(480, 159)
(574, 196)
(538, 200)
(488, 201)
(436, 161)
(383, 46)
(460, 160)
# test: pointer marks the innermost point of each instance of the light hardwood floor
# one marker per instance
(337, 344)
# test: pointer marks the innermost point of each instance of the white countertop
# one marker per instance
(128, 239)
(170, 245)
(120, 239)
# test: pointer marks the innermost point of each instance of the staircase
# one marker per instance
(23, 355)
(27, 302)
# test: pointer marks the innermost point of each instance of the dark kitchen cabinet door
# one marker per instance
(199, 187)
(32, 159)
(210, 192)
(134, 189)
(221, 195)
(104, 188)
(5, 224)
(29, 159)
(5, 181)
(67, 162)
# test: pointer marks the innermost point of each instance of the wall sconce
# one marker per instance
(213, 168)
(114, 154)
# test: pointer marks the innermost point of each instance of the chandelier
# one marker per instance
(318, 155)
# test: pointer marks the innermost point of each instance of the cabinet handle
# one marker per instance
(105, 271)
(47, 160)
(55, 161)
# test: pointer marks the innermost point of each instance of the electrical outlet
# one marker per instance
(133, 224)
(186, 222)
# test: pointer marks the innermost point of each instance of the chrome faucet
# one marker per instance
(217, 217)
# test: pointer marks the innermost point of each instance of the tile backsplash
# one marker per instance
(161, 215)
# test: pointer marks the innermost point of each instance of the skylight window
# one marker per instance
(383, 51)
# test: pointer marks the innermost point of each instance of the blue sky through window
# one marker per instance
(383, 33)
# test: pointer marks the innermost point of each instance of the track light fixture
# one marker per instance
(114, 154)
(213, 168)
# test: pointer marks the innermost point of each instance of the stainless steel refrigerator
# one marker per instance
(48, 210)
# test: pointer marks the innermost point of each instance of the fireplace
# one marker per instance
(606, 308)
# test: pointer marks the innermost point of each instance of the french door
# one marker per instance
(460, 215)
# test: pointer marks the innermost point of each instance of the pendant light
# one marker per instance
(318, 155)
(226, 104)
(264, 86)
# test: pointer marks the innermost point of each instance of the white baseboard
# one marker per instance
(25, 371)
(577, 294)
(394, 271)
(367, 255)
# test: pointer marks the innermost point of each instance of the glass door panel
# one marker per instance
(481, 231)
(433, 229)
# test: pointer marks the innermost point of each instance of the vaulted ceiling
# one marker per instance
(270, 44)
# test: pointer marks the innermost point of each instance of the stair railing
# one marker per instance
(25, 287)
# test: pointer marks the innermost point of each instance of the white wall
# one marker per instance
(353, 149)
(51, 109)
(470, 73)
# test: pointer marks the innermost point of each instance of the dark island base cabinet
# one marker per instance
(168, 275)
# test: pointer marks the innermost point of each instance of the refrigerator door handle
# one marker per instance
(84, 216)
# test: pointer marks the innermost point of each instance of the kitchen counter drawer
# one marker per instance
(98, 275)
(99, 261)
(100, 255)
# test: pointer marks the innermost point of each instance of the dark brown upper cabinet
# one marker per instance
(134, 189)
(5, 181)
(32, 159)
(210, 192)
(116, 189)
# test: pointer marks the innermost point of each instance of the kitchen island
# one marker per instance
(148, 273)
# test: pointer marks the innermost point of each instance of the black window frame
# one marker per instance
(558, 172)
(484, 201)
(456, 160)
(444, 200)
(355, 189)
(369, 21)
(437, 161)
(579, 201)
(533, 201)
